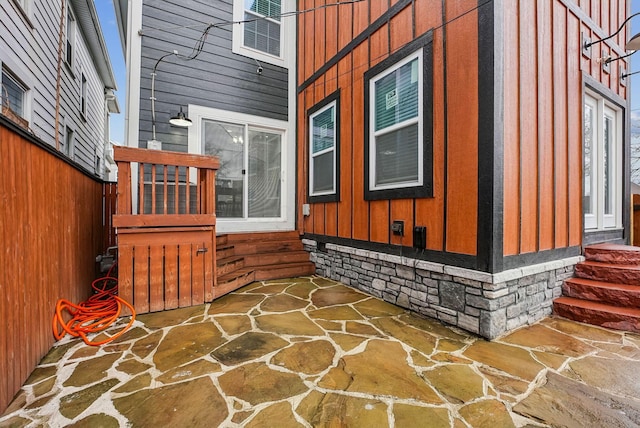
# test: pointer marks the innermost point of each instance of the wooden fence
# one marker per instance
(166, 241)
(51, 231)
(109, 197)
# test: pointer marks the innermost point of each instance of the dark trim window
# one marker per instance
(399, 123)
(324, 143)
(83, 96)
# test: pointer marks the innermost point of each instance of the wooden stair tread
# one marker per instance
(264, 268)
(609, 265)
(232, 238)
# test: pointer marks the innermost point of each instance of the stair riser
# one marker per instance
(618, 257)
(225, 268)
(246, 248)
(611, 274)
(275, 258)
(613, 296)
(223, 253)
(236, 238)
(595, 317)
(289, 272)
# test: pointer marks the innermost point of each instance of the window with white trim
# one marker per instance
(324, 131)
(71, 37)
(602, 167)
(262, 33)
(14, 99)
(13, 94)
(398, 124)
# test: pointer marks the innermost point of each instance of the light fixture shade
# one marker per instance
(633, 44)
(180, 119)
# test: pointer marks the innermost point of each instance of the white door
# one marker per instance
(602, 168)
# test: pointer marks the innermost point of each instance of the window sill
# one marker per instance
(69, 68)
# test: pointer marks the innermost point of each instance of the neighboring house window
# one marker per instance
(83, 96)
(69, 141)
(324, 131)
(13, 94)
(262, 32)
(71, 36)
(399, 123)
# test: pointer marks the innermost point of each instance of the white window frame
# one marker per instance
(332, 105)
(71, 31)
(287, 34)
(21, 86)
(599, 220)
(287, 220)
(419, 120)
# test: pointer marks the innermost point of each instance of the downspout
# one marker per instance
(59, 75)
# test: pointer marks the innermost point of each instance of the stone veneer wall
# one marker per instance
(482, 303)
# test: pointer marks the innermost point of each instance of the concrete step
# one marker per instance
(603, 292)
(606, 272)
(613, 254)
(618, 318)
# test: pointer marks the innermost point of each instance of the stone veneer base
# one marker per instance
(479, 302)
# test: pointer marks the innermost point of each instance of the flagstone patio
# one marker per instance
(313, 352)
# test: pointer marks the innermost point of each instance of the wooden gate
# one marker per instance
(166, 244)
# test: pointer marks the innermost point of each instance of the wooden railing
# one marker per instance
(166, 240)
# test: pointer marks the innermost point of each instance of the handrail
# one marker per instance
(165, 199)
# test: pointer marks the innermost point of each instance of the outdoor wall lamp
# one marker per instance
(180, 119)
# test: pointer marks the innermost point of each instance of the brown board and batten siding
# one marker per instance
(543, 87)
(51, 230)
(508, 83)
(337, 46)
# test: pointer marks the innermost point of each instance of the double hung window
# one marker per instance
(13, 94)
(398, 145)
(323, 149)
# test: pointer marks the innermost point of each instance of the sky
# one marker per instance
(107, 16)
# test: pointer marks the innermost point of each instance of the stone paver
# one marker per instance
(311, 352)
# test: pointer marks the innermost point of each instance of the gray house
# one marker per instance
(236, 84)
(63, 96)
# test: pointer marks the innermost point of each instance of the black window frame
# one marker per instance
(332, 197)
(424, 42)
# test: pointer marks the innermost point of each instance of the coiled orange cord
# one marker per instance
(98, 313)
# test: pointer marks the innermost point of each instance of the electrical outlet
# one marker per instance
(397, 227)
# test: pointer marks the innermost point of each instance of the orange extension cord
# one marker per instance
(98, 313)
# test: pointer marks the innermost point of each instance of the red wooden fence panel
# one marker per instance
(51, 231)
